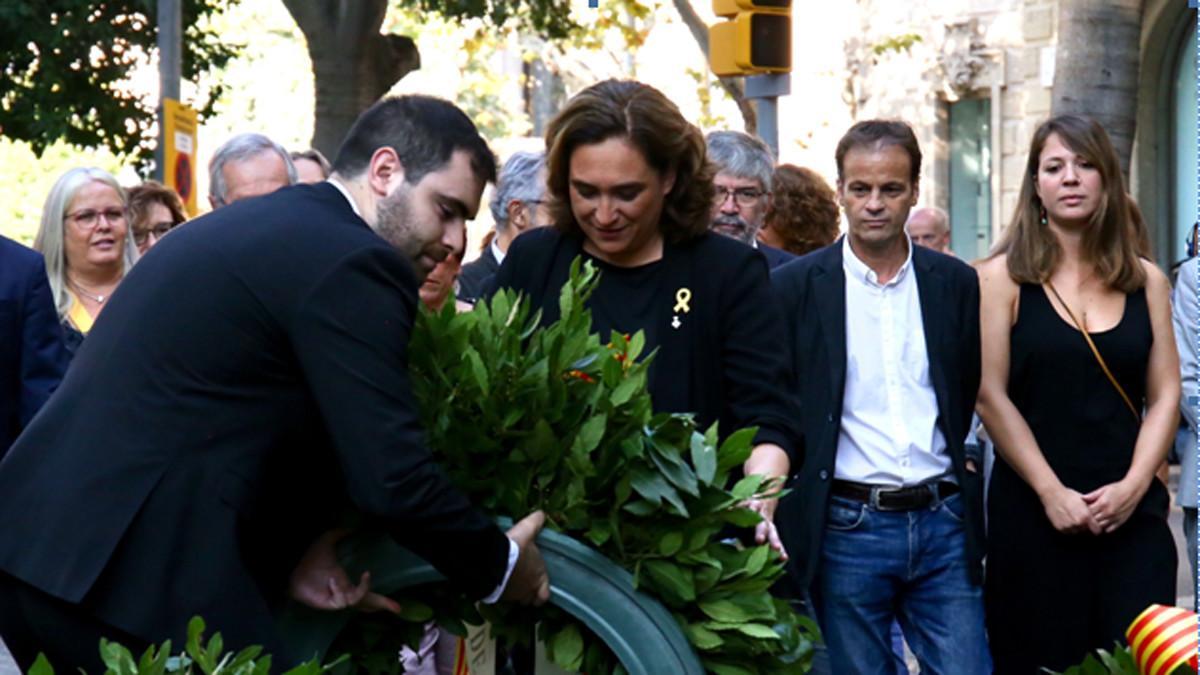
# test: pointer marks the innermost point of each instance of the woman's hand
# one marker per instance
(765, 532)
(1068, 512)
(1112, 504)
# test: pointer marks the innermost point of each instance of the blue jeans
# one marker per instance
(911, 566)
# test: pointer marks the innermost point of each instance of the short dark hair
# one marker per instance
(650, 122)
(423, 131)
(882, 133)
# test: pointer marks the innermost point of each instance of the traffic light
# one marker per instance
(756, 38)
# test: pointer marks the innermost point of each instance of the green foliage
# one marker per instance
(68, 66)
(1118, 662)
(896, 43)
(551, 418)
(197, 658)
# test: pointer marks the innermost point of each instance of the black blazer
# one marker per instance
(775, 256)
(32, 356)
(249, 371)
(724, 364)
(475, 275)
(812, 292)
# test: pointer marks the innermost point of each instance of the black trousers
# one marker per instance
(32, 621)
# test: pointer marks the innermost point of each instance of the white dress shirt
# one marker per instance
(496, 252)
(889, 433)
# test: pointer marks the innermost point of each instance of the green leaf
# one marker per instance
(704, 459)
(625, 390)
(478, 372)
(736, 449)
(655, 489)
(703, 638)
(590, 434)
(723, 668)
(566, 648)
(742, 517)
(676, 471)
(675, 582)
(41, 666)
(670, 543)
(747, 487)
(757, 630)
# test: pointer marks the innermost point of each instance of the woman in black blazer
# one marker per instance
(631, 191)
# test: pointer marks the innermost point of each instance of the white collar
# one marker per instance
(497, 253)
(854, 266)
(345, 193)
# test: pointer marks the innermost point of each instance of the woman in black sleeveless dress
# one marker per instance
(1078, 543)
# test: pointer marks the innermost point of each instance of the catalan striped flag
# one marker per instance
(1162, 639)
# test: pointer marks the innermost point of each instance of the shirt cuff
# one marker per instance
(514, 552)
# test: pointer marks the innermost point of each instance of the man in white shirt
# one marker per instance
(885, 519)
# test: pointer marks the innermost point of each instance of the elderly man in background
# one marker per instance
(742, 189)
(248, 165)
(929, 226)
(516, 206)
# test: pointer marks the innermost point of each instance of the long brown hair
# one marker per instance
(649, 121)
(1110, 243)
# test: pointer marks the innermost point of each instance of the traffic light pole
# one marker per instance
(766, 90)
(170, 48)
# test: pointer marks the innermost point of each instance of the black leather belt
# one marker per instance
(886, 498)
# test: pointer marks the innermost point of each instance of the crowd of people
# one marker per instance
(214, 393)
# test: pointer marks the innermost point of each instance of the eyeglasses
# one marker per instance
(88, 218)
(159, 230)
(741, 196)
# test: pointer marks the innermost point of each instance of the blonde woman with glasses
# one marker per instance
(84, 237)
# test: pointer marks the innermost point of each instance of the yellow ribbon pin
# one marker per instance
(682, 297)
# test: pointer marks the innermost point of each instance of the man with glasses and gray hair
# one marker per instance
(248, 165)
(742, 189)
(516, 206)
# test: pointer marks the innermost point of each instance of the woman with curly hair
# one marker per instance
(631, 191)
(803, 213)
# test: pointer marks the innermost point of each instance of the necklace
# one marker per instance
(98, 299)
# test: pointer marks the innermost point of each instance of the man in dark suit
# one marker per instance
(517, 206)
(252, 366)
(742, 190)
(885, 519)
(32, 357)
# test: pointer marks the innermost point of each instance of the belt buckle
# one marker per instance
(874, 502)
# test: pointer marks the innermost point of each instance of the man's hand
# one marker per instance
(529, 584)
(1069, 513)
(321, 583)
(1112, 504)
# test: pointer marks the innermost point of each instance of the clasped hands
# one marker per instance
(320, 582)
(1100, 511)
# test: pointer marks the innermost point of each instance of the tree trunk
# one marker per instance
(731, 85)
(1096, 66)
(353, 63)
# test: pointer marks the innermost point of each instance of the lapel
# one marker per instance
(829, 288)
(677, 347)
(931, 289)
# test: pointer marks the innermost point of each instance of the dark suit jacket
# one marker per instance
(473, 278)
(198, 409)
(812, 292)
(724, 363)
(775, 256)
(32, 357)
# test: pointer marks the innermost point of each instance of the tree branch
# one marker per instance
(731, 85)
